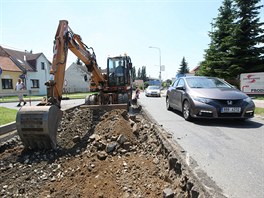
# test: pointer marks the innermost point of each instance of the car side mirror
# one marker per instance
(180, 88)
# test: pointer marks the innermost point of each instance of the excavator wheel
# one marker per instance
(91, 99)
(122, 98)
(37, 126)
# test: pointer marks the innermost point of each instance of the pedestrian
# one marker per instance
(137, 92)
(19, 87)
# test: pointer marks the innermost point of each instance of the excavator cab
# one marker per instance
(118, 71)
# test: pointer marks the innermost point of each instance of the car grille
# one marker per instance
(228, 103)
(235, 103)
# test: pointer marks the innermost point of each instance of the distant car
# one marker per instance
(152, 91)
(208, 97)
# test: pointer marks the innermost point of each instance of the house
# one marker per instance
(33, 69)
(9, 73)
(194, 70)
(138, 83)
(77, 79)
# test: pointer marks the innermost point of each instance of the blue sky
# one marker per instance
(178, 27)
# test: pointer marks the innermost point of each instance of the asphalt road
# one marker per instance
(228, 156)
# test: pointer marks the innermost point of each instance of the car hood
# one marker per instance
(154, 90)
(218, 93)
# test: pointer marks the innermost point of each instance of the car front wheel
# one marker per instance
(186, 111)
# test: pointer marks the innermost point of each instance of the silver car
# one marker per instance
(152, 90)
(208, 97)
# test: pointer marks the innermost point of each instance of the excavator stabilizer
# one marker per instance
(37, 126)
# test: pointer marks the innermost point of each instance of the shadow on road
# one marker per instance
(232, 123)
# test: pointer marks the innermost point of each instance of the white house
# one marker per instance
(34, 69)
(77, 79)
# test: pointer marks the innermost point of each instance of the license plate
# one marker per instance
(231, 110)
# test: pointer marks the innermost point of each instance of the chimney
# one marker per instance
(25, 58)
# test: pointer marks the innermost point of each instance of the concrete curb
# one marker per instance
(205, 186)
(7, 127)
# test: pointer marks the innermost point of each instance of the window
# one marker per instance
(175, 83)
(180, 83)
(7, 84)
(85, 78)
(42, 65)
(35, 83)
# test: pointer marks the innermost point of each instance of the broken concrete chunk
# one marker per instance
(111, 147)
(102, 155)
(121, 139)
(168, 193)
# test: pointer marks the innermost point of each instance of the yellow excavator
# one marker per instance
(37, 125)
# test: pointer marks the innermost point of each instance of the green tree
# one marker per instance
(143, 73)
(133, 73)
(236, 39)
(217, 57)
(249, 35)
(139, 73)
(183, 67)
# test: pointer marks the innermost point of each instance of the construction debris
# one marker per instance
(100, 154)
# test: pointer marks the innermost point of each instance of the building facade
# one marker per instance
(77, 79)
(33, 69)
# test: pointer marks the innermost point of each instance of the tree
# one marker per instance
(217, 57)
(143, 73)
(183, 67)
(133, 73)
(139, 74)
(235, 40)
(248, 34)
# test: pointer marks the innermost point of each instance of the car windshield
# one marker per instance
(153, 87)
(206, 83)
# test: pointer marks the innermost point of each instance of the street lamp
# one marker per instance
(159, 61)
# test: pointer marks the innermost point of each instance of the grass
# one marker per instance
(259, 111)
(259, 98)
(7, 115)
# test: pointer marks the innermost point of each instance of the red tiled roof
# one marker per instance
(23, 60)
(7, 64)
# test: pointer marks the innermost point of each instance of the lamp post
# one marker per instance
(159, 61)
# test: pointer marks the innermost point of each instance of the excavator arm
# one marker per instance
(37, 125)
(66, 40)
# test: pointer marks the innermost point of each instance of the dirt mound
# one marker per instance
(100, 154)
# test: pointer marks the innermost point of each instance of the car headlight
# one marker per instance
(202, 100)
(248, 100)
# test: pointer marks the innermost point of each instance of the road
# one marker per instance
(227, 155)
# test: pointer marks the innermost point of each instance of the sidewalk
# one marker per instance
(65, 104)
(259, 103)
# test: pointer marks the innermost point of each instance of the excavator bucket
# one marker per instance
(37, 126)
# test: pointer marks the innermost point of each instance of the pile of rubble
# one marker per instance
(100, 154)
